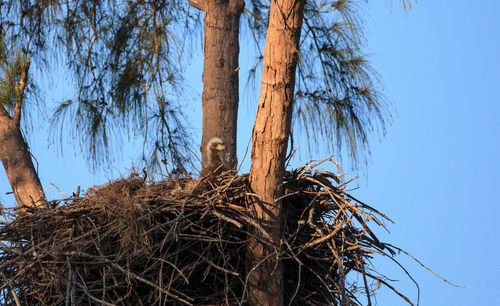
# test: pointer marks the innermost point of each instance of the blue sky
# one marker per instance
(435, 173)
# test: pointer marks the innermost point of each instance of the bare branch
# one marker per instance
(173, 237)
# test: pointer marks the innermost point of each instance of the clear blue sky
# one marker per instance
(436, 171)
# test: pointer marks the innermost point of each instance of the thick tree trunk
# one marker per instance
(16, 159)
(270, 139)
(220, 75)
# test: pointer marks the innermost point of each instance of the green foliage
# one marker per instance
(11, 69)
(28, 22)
(127, 59)
(338, 97)
(127, 63)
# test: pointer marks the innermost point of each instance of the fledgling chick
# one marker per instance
(215, 150)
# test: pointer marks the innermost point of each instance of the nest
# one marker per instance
(183, 242)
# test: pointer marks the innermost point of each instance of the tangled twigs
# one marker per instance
(183, 242)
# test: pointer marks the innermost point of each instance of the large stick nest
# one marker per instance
(183, 241)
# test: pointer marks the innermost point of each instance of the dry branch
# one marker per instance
(130, 243)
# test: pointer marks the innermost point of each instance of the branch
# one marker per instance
(4, 113)
(199, 4)
(20, 87)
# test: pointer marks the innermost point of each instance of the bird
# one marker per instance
(215, 149)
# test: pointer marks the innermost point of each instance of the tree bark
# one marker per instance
(220, 75)
(269, 146)
(14, 152)
(16, 159)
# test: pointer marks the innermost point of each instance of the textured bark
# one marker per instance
(269, 145)
(15, 154)
(16, 159)
(220, 75)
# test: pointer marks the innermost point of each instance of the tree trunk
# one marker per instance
(16, 159)
(269, 146)
(14, 152)
(220, 75)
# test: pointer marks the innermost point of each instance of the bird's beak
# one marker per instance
(220, 147)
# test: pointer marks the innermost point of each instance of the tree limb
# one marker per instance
(20, 87)
(4, 113)
(199, 4)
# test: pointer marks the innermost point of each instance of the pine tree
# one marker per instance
(128, 60)
(15, 88)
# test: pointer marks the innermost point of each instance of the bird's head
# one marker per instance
(216, 145)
